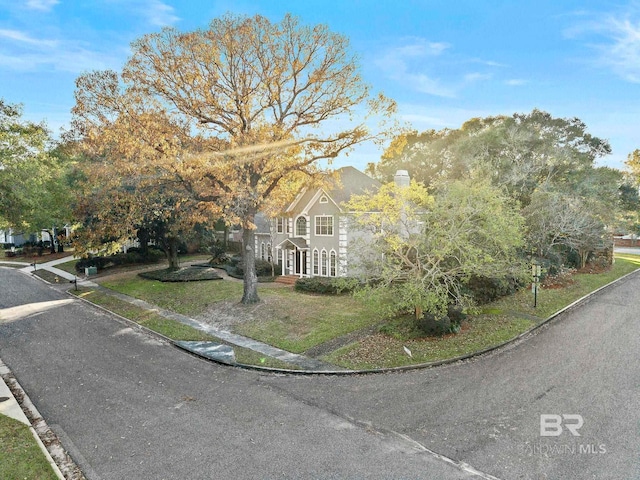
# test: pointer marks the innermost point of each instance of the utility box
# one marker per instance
(91, 271)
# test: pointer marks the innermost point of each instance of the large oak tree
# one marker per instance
(234, 112)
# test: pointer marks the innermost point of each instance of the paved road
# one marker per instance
(127, 406)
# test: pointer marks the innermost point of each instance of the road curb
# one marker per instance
(376, 370)
(461, 358)
(56, 456)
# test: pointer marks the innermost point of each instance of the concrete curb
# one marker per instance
(379, 370)
(454, 359)
(39, 429)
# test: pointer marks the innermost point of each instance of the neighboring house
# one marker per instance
(12, 237)
(312, 237)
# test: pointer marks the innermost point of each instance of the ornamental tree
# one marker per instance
(234, 112)
(420, 249)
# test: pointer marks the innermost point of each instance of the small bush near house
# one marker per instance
(218, 254)
(263, 268)
(325, 285)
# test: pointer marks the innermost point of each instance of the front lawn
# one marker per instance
(298, 322)
(285, 319)
(172, 329)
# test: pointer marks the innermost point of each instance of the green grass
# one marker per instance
(49, 276)
(552, 300)
(173, 329)
(69, 267)
(496, 323)
(191, 298)
(20, 456)
(296, 321)
(289, 320)
(384, 351)
(11, 265)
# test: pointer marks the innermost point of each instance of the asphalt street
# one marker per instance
(128, 406)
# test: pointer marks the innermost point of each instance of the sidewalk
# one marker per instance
(201, 348)
(51, 267)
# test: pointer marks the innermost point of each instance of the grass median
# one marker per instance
(20, 455)
(298, 322)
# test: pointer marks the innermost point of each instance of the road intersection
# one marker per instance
(126, 405)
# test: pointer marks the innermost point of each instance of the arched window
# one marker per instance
(301, 227)
(316, 261)
(332, 263)
(269, 253)
(323, 262)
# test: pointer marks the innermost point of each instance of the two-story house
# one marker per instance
(312, 237)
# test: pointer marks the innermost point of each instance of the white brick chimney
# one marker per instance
(401, 178)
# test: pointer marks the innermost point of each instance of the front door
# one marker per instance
(301, 262)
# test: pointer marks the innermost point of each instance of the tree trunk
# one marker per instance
(250, 293)
(143, 238)
(171, 251)
(52, 246)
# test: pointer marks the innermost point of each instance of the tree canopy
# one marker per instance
(236, 113)
(546, 164)
(34, 189)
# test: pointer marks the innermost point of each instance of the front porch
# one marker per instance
(294, 257)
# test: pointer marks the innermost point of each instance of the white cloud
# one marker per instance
(476, 77)
(616, 40)
(23, 52)
(156, 12)
(22, 37)
(159, 13)
(403, 64)
(515, 82)
(42, 5)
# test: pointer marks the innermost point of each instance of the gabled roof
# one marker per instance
(352, 182)
(349, 181)
(297, 242)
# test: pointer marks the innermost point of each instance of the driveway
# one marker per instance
(128, 406)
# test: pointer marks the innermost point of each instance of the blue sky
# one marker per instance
(442, 61)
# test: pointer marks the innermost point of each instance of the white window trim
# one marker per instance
(316, 226)
(306, 226)
(333, 254)
(315, 262)
(280, 225)
(324, 263)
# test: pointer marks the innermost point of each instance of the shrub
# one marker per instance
(486, 289)
(263, 268)
(188, 274)
(218, 255)
(326, 285)
(129, 258)
(450, 323)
